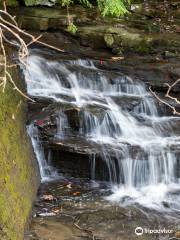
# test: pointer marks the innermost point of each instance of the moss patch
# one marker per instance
(18, 180)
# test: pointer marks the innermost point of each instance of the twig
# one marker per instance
(4, 5)
(34, 40)
(17, 89)
(85, 230)
(23, 50)
(164, 102)
(15, 26)
(170, 89)
(4, 79)
(10, 25)
(50, 46)
(10, 17)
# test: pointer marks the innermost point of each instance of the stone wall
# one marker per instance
(18, 169)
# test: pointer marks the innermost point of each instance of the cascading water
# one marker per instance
(137, 145)
(47, 172)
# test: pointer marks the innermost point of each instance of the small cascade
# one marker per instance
(47, 172)
(63, 127)
(138, 146)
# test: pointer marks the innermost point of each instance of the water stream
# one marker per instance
(138, 144)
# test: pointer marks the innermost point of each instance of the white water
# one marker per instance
(46, 171)
(150, 176)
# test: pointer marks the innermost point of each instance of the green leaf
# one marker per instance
(114, 8)
(72, 28)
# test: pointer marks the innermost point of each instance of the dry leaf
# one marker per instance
(76, 193)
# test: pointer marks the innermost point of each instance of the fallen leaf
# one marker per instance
(76, 193)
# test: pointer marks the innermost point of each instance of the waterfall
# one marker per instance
(47, 172)
(137, 145)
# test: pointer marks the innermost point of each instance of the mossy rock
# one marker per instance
(122, 37)
(40, 2)
(127, 39)
(18, 169)
(10, 3)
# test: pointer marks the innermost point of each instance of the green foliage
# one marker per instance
(85, 2)
(107, 7)
(66, 2)
(72, 28)
(113, 7)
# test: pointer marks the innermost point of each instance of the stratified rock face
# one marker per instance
(40, 2)
(151, 28)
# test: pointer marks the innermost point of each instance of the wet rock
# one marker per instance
(152, 71)
(53, 229)
(48, 117)
(75, 156)
(127, 103)
(90, 214)
(97, 75)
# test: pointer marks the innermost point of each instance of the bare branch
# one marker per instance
(33, 39)
(170, 87)
(17, 89)
(89, 232)
(164, 102)
(9, 16)
(4, 79)
(9, 24)
(4, 5)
